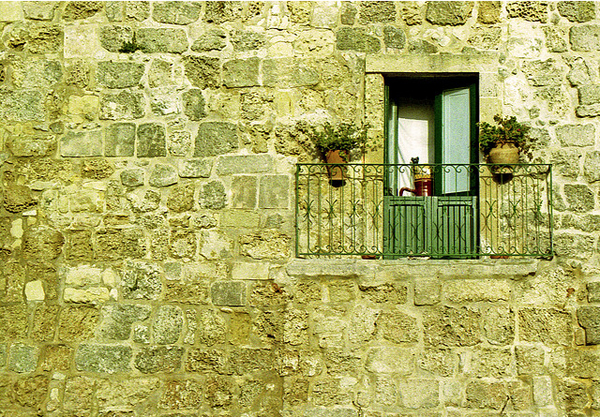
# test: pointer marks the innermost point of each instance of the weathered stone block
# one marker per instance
(394, 293)
(397, 327)
(108, 359)
(550, 325)
(534, 11)
(427, 292)
(42, 243)
(151, 140)
(126, 394)
(22, 358)
(141, 280)
(489, 12)
(114, 37)
(216, 138)
(159, 359)
(193, 104)
(75, 144)
(585, 37)
(132, 177)
(120, 243)
(498, 325)
(18, 198)
(203, 72)
(163, 175)
(119, 139)
(195, 168)
(440, 362)
(377, 12)
(178, 13)
(248, 40)
(243, 190)
(241, 72)
(229, 293)
(32, 145)
(269, 244)
(153, 40)
(579, 197)
(77, 323)
(394, 37)
(125, 105)
(119, 318)
(449, 326)
(577, 135)
(274, 191)
(213, 39)
(22, 105)
(592, 160)
(167, 325)
(179, 143)
(390, 360)
(589, 319)
(461, 291)
(119, 74)
(56, 358)
(181, 198)
(451, 13)
(212, 196)
(77, 10)
(13, 322)
(489, 395)
(220, 12)
(577, 11)
(593, 289)
(419, 393)
(10, 11)
(289, 73)
(35, 74)
(45, 322)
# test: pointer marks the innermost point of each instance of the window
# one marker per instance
(432, 119)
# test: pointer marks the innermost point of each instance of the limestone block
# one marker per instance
(193, 104)
(240, 219)
(250, 270)
(10, 11)
(78, 144)
(215, 245)
(243, 190)
(22, 105)
(83, 276)
(32, 145)
(577, 11)
(449, 13)
(394, 293)
(489, 12)
(212, 196)
(81, 109)
(39, 10)
(274, 191)
(440, 362)
(194, 168)
(82, 41)
(241, 72)
(582, 363)
(578, 135)
(229, 293)
(216, 138)
(427, 292)
(125, 394)
(88, 295)
(22, 358)
(394, 37)
(179, 143)
(356, 39)
(535, 11)
(125, 74)
(589, 319)
(212, 39)
(483, 394)
(141, 280)
(450, 326)
(126, 105)
(593, 289)
(498, 325)
(81, 10)
(540, 73)
(390, 360)
(419, 393)
(550, 325)
(397, 327)
(203, 72)
(30, 74)
(178, 13)
(592, 160)
(530, 360)
(18, 198)
(556, 39)
(42, 243)
(269, 244)
(248, 40)
(348, 14)
(289, 73)
(119, 139)
(132, 177)
(13, 322)
(325, 14)
(244, 164)
(108, 359)
(181, 198)
(114, 37)
(118, 320)
(153, 40)
(579, 197)
(167, 326)
(163, 175)
(163, 102)
(585, 37)
(151, 140)
(464, 291)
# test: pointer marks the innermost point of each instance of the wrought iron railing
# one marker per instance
(436, 210)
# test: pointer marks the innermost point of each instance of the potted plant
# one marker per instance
(503, 143)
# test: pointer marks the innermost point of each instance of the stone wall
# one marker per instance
(147, 155)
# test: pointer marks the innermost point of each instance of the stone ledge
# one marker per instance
(414, 268)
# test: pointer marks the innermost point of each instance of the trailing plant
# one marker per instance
(129, 47)
(343, 137)
(507, 131)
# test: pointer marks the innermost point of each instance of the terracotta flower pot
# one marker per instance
(504, 154)
(336, 173)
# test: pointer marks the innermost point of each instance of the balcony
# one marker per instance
(459, 211)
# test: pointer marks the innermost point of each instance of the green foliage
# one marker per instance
(129, 47)
(343, 137)
(508, 130)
